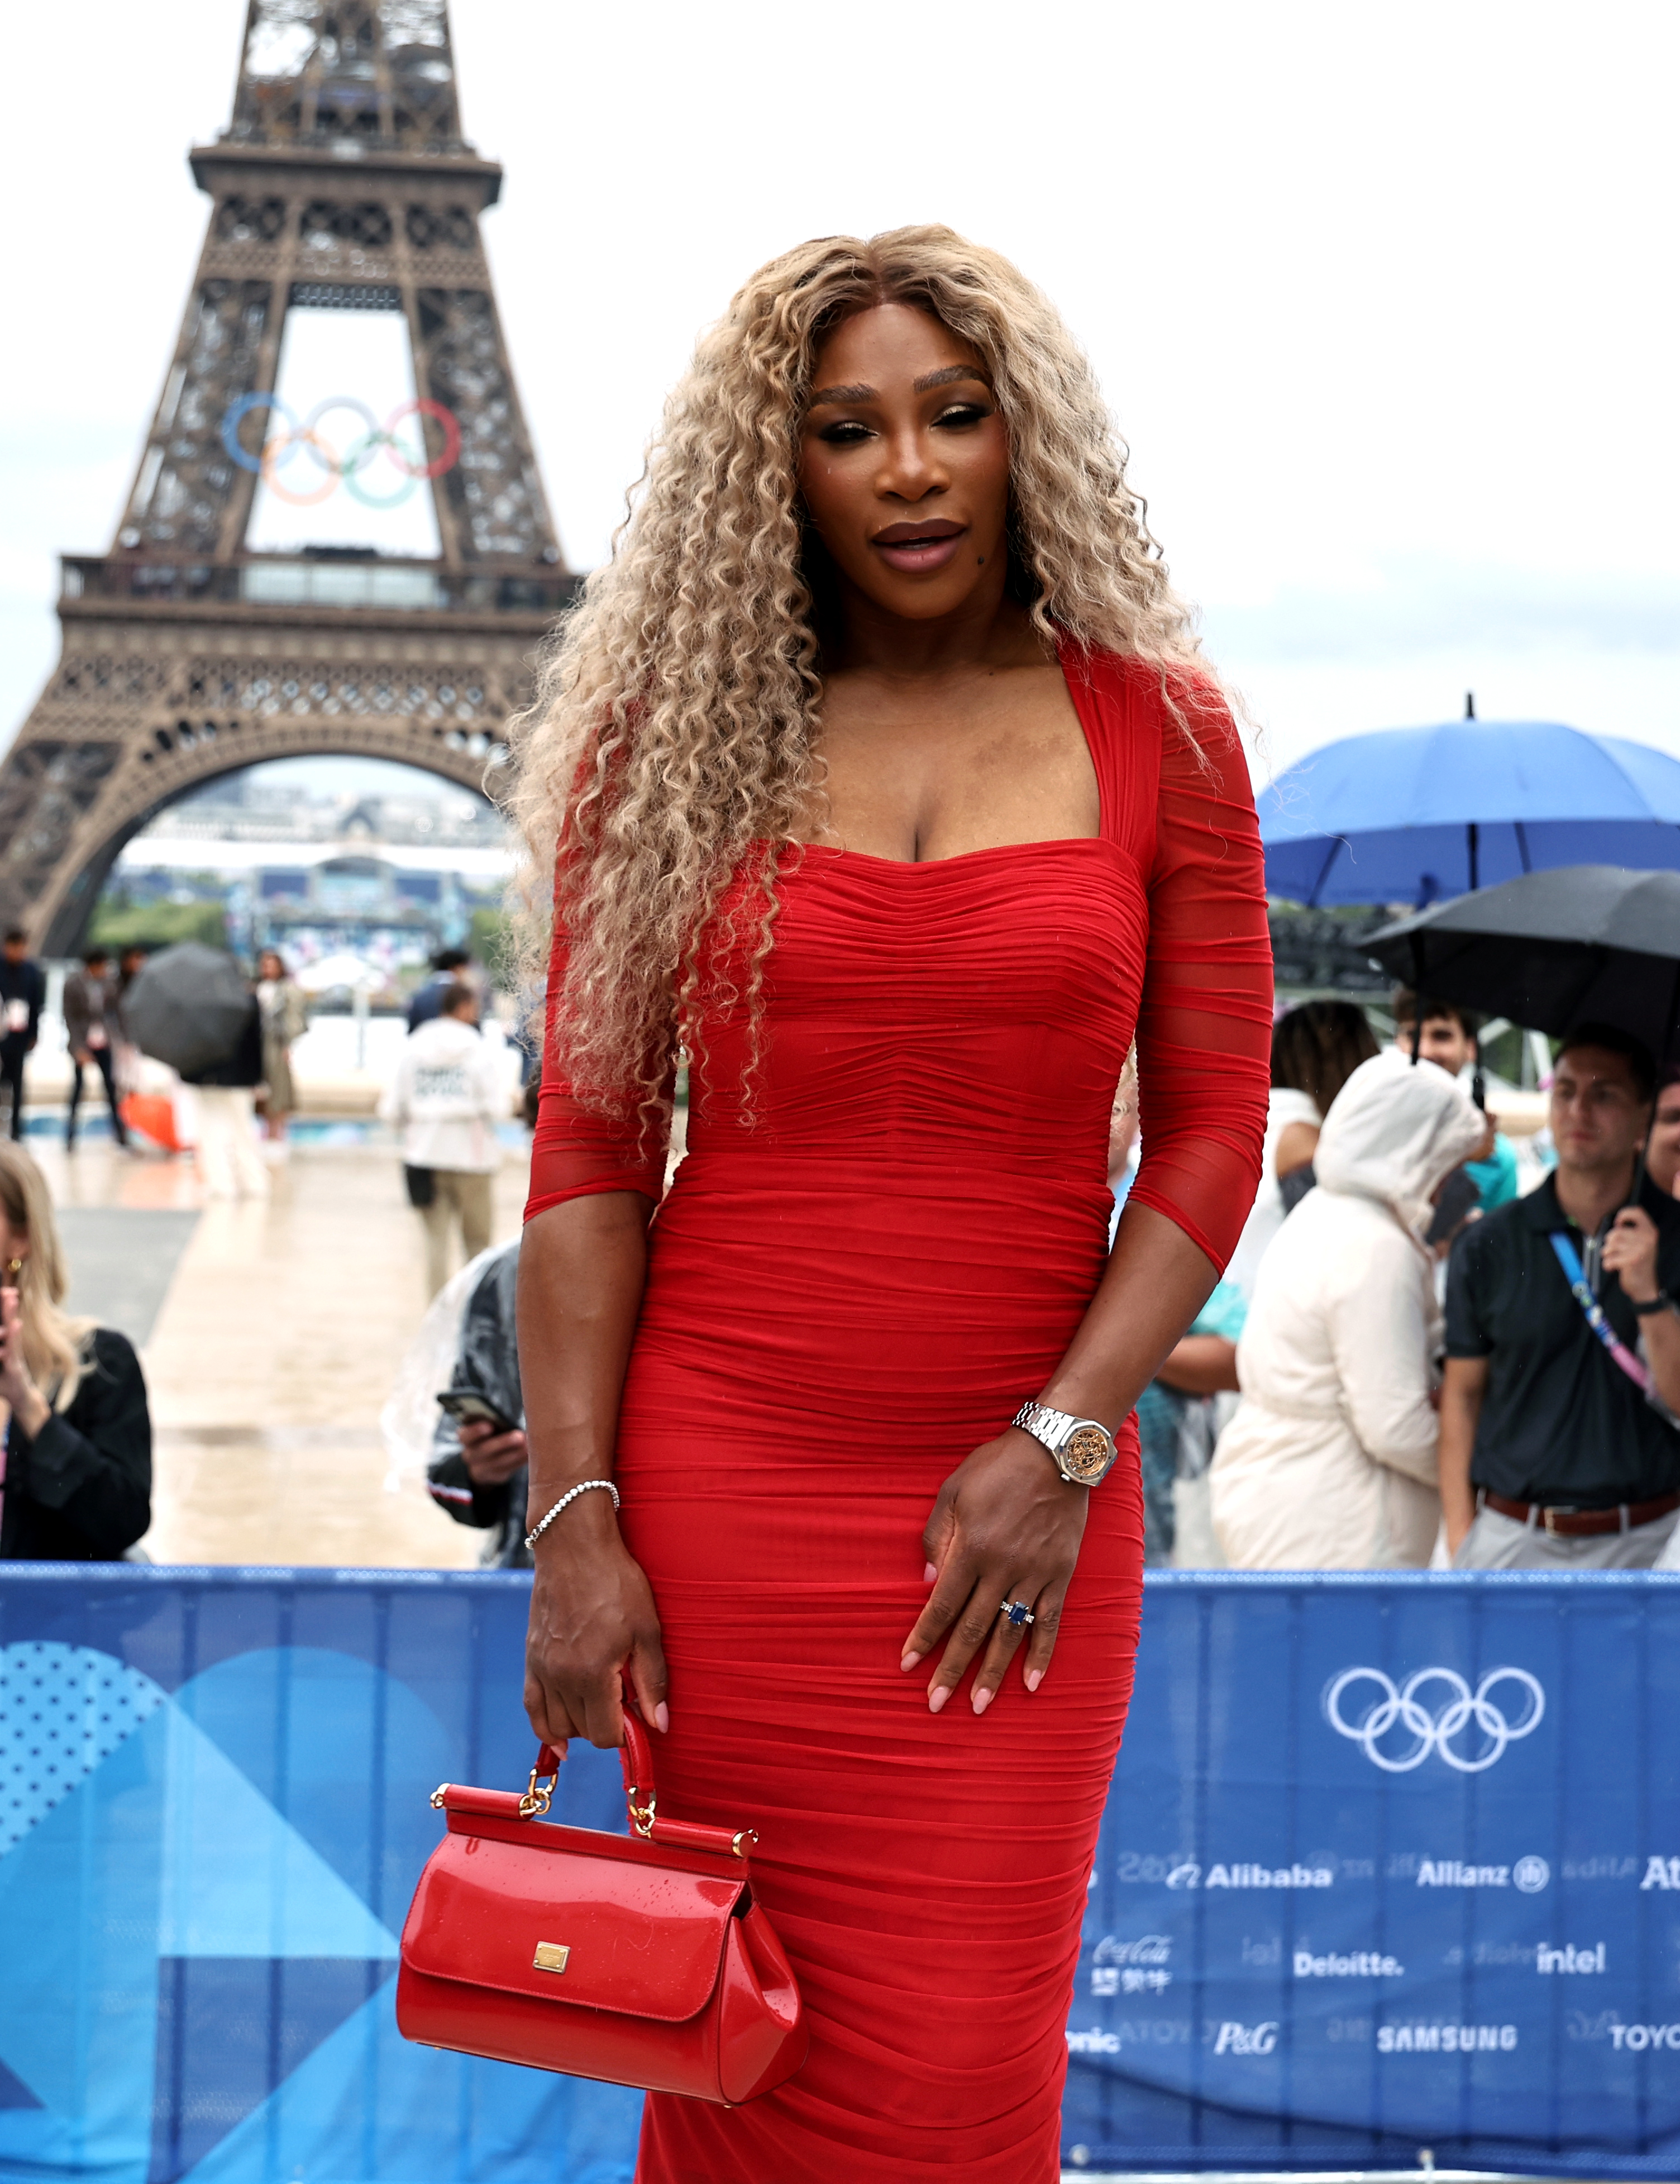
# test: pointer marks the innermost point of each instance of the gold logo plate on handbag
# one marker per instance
(551, 1956)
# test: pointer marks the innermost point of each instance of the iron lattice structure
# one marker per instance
(343, 183)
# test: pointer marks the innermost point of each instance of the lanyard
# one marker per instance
(1594, 1313)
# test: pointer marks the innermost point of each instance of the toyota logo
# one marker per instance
(1434, 1729)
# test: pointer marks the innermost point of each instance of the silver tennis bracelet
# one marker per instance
(536, 1531)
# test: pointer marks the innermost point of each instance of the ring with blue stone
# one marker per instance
(1016, 1612)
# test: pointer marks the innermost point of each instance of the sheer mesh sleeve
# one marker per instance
(1205, 1025)
(576, 1151)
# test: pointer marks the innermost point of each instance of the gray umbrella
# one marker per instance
(1553, 949)
(189, 1007)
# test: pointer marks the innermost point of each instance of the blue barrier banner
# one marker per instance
(1390, 1862)
(214, 1790)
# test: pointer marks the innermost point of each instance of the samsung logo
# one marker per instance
(1444, 2039)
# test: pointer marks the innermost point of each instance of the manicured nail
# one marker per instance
(937, 1696)
(909, 1660)
(1034, 1678)
(930, 1575)
(981, 1701)
(662, 1718)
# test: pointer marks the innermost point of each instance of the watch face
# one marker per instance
(1088, 1454)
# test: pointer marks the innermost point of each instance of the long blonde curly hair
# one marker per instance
(55, 1345)
(674, 739)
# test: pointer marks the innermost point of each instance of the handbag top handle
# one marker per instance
(641, 1796)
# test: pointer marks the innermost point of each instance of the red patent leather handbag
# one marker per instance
(640, 1960)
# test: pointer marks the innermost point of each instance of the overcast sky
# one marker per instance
(1383, 297)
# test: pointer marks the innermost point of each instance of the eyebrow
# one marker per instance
(946, 377)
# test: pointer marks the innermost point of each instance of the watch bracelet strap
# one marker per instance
(1048, 1426)
(1660, 1302)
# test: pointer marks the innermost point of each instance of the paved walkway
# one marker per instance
(270, 1336)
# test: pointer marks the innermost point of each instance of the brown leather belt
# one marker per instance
(1583, 1524)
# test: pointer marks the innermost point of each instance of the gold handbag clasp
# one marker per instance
(642, 1816)
(538, 1796)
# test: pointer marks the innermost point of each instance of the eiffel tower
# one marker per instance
(342, 183)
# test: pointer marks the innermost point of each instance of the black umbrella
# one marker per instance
(189, 1007)
(1582, 943)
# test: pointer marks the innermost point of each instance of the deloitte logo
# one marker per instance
(1398, 1728)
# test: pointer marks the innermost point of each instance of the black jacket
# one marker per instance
(22, 982)
(82, 1491)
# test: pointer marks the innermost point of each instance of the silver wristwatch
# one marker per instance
(1083, 1449)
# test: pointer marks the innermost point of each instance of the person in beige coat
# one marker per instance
(1329, 1463)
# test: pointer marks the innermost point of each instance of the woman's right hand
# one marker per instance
(593, 1624)
(18, 1390)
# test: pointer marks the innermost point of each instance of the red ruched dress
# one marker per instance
(842, 1302)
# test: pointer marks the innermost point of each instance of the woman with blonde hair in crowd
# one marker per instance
(1330, 1462)
(76, 1477)
(879, 776)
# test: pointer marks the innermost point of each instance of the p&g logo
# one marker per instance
(1233, 2039)
(1469, 1730)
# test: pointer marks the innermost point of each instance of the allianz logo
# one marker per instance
(1529, 1875)
(1397, 1726)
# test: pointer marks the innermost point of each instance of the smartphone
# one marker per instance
(467, 1407)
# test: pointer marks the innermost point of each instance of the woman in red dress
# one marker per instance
(879, 777)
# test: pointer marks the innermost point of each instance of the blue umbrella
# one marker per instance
(1412, 814)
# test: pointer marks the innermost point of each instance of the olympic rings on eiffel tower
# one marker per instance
(278, 448)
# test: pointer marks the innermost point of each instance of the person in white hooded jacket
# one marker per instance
(446, 1098)
(1330, 1461)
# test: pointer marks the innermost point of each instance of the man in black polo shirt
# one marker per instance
(1552, 1455)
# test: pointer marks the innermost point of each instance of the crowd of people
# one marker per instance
(1426, 1367)
(1406, 1362)
(74, 1427)
(1396, 1369)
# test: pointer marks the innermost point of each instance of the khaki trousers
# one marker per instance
(1497, 1542)
(462, 1196)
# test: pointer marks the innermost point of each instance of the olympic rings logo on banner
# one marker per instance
(411, 463)
(1434, 1732)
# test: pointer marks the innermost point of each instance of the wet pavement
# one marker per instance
(271, 1332)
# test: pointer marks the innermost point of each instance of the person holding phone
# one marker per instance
(75, 1473)
(477, 1471)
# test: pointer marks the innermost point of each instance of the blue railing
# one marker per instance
(1389, 1862)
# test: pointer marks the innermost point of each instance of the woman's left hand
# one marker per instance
(26, 1402)
(1006, 1526)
